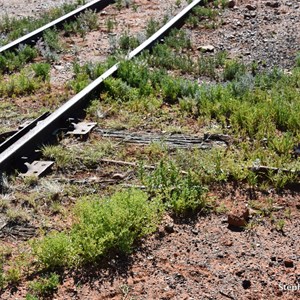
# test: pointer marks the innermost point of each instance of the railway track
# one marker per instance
(21, 148)
(32, 37)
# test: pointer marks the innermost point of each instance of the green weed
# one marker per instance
(42, 70)
(45, 286)
(128, 42)
(13, 28)
(102, 225)
(13, 61)
(151, 27)
(60, 154)
(233, 69)
(181, 193)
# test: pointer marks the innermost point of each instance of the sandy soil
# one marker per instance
(32, 8)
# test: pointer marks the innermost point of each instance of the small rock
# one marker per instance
(247, 16)
(59, 68)
(239, 273)
(195, 231)
(250, 7)
(161, 233)
(227, 243)
(238, 217)
(231, 4)
(288, 263)
(273, 4)
(246, 284)
(207, 48)
(169, 228)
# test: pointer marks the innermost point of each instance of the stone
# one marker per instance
(169, 228)
(239, 273)
(195, 231)
(231, 4)
(246, 284)
(273, 4)
(238, 217)
(251, 7)
(207, 48)
(288, 263)
(59, 68)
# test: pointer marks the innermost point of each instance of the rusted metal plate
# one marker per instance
(37, 168)
(82, 128)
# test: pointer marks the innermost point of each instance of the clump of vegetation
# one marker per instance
(101, 226)
(83, 75)
(42, 70)
(44, 286)
(13, 28)
(21, 84)
(182, 193)
(14, 61)
(233, 70)
(152, 27)
(298, 60)
(128, 42)
(204, 14)
(87, 21)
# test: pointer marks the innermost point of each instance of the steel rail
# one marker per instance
(40, 134)
(32, 37)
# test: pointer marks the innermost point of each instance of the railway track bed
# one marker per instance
(196, 132)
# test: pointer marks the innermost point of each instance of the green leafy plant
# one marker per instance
(51, 40)
(42, 70)
(45, 286)
(12, 28)
(152, 27)
(181, 193)
(102, 225)
(12, 61)
(233, 69)
(128, 42)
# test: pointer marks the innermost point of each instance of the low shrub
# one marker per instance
(45, 286)
(182, 193)
(42, 70)
(101, 226)
(14, 61)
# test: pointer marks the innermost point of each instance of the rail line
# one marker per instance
(32, 37)
(13, 156)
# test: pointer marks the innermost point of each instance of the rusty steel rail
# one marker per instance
(44, 130)
(32, 37)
